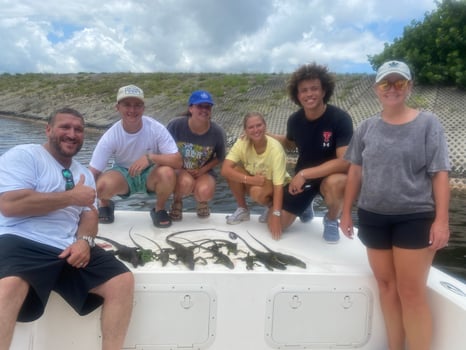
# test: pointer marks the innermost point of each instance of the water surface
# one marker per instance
(451, 259)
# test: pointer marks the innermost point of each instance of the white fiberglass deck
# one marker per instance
(332, 303)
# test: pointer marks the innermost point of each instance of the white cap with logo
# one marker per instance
(130, 91)
(391, 67)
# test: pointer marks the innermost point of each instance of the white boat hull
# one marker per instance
(332, 303)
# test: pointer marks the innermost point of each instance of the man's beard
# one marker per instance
(55, 144)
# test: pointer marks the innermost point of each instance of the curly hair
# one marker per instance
(311, 71)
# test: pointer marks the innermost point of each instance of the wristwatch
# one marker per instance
(89, 239)
(149, 160)
(277, 213)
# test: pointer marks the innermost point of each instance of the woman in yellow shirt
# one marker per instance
(256, 166)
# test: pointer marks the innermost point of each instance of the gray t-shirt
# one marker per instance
(398, 162)
(198, 150)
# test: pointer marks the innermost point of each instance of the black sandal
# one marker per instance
(160, 218)
(107, 213)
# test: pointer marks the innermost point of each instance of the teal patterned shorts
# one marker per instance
(136, 184)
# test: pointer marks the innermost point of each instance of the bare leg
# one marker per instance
(13, 291)
(262, 194)
(333, 191)
(382, 265)
(239, 192)
(412, 268)
(162, 181)
(116, 310)
(204, 188)
(184, 185)
(109, 184)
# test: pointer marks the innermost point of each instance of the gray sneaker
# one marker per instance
(264, 215)
(331, 230)
(240, 214)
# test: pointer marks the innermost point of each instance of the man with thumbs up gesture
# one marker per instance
(48, 221)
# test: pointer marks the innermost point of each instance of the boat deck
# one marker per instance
(331, 303)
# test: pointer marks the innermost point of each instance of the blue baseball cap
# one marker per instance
(200, 96)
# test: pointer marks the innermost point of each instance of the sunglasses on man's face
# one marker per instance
(385, 85)
(68, 176)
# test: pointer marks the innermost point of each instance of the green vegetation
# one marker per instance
(417, 101)
(175, 86)
(434, 48)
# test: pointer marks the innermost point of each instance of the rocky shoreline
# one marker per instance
(93, 95)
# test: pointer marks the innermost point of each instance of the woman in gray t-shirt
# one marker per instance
(399, 173)
(202, 144)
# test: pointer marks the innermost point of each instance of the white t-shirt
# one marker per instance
(33, 167)
(126, 148)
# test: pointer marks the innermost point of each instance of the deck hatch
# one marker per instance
(308, 318)
(172, 317)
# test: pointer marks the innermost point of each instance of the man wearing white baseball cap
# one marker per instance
(144, 158)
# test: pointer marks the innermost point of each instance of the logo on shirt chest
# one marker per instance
(327, 136)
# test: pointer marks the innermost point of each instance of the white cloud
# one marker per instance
(198, 36)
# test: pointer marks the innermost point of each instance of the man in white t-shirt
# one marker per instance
(48, 222)
(144, 158)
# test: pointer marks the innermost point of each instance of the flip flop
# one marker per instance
(160, 218)
(106, 214)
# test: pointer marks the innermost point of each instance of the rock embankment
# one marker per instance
(36, 96)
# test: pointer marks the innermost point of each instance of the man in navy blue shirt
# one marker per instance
(321, 133)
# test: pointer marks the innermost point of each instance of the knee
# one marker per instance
(387, 287)
(411, 294)
(333, 186)
(108, 183)
(14, 288)
(185, 183)
(101, 185)
(126, 280)
(259, 196)
(120, 286)
(162, 179)
(165, 173)
(204, 190)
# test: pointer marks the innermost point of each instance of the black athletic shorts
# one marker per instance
(39, 265)
(409, 231)
(297, 204)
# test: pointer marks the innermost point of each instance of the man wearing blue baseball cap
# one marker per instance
(202, 144)
(144, 158)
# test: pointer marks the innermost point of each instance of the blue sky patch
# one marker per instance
(62, 32)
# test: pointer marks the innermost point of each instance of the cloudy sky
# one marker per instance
(228, 36)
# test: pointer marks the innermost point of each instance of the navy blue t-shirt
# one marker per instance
(318, 140)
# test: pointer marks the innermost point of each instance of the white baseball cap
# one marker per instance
(391, 67)
(130, 91)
